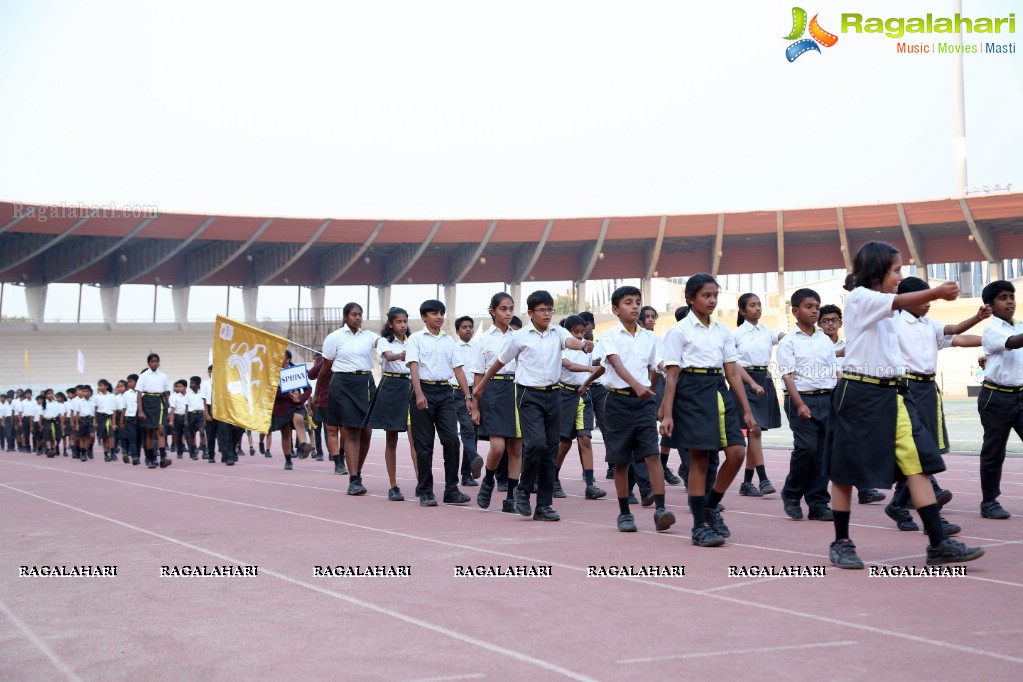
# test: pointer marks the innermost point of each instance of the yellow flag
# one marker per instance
(26, 361)
(246, 373)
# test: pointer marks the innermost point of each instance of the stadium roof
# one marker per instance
(47, 244)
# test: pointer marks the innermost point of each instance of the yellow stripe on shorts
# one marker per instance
(906, 456)
(722, 436)
(518, 431)
(940, 435)
(579, 415)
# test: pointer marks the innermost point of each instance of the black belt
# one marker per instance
(818, 391)
(505, 377)
(568, 387)
(926, 378)
(195, 411)
(757, 368)
(86, 418)
(623, 391)
(702, 370)
(1002, 389)
(148, 393)
(887, 382)
(359, 371)
(434, 383)
(396, 375)
(540, 388)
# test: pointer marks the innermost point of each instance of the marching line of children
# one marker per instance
(864, 414)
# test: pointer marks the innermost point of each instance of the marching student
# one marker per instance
(86, 422)
(920, 339)
(130, 427)
(30, 413)
(24, 422)
(389, 410)
(320, 401)
(753, 343)
(830, 322)
(537, 352)
(699, 354)
(350, 382)
(809, 370)
(431, 359)
(62, 422)
(71, 419)
(598, 394)
(666, 443)
(496, 413)
(195, 422)
(1000, 402)
(472, 463)
(576, 411)
(631, 363)
(212, 425)
(177, 405)
(50, 420)
(106, 405)
(6, 421)
(71, 394)
(289, 416)
(153, 391)
(648, 318)
(875, 434)
(119, 406)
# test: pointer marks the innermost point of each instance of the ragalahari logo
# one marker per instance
(817, 35)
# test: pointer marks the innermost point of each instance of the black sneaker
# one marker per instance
(134, 461)
(150, 464)
(950, 528)
(287, 464)
(318, 456)
(522, 502)
(502, 486)
(820, 514)
(870, 495)
(477, 467)
(164, 462)
(766, 487)
(993, 510)
(670, 478)
(633, 499)
(594, 493)
(952, 552)
(843, 554)
(545, 513)
(559, 492)
(303, 450)
(663, 519)
(394, 495)
(901, 517)
(792, 508)
(339, 466)
(262, 449)
(427, 500)
(648, 500)
(483, 496)
(626, 523)
(252, 451)
(355, 486)
(508, 506)
(456, 497)
(714, 520)
(943, 496)
(704, 536)
(609, 476)
(750, 490)
(469, 482)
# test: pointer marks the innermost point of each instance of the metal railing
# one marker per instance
(309, 326)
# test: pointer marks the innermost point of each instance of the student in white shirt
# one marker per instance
(50, 420)
(177, 406)
(875, 431)
(7, 421)
(576, 411)
(129, 424)
(86, 431)
(154, 390)
(105, 409)
(195, 422)
(472, 463)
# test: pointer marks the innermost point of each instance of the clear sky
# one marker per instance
(470, 109)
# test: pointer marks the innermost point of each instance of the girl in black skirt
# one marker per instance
(389, 409)
(496, 412)
(875, 435)
(753, 343)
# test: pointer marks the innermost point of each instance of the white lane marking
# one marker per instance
(60, 665)
(760, 650)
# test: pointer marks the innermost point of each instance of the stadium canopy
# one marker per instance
(43, 244)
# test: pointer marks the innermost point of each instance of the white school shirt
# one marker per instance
(131, 403)
(153, 382)
(105, 403)
(464, 352)
(538, 354)
(753, 343)
(179, 403)
(488, 347)
(52, 410)
(1004, 367)
(5, 409)
(638, 354)
(690, 344)
(809, 358)
(206, 391)
(435, 355)
(392, 366)
(31, 410)
(71, 406)
(17, 407)
(576, 357)
(119, 402)
(920, 339)
(193, 400)
(872, 342)
(87, 407)
(350, 352)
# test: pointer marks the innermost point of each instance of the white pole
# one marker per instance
(960, 113)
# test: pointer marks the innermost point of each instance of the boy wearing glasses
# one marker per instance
(537, 348)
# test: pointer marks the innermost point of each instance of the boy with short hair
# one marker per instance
(472, 463)
(130, 428)
(431, 358)
(1000, 401)
(537, 350)
(809, 369)
(178, 406)
(196, 424)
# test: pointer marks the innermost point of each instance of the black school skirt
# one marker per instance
(155, 409)
(576, 413)
(875, 437)
(51, 430)
(350, 396)
(704, 413)
(930, 411)
(499, 410)
(765, 408)
(389, 409)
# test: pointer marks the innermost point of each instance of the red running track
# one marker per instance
(286, 623)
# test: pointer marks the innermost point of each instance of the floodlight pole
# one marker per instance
(960, 112)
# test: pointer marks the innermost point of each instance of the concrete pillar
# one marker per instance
(783, 308)
(180, 297)
(580, 296)
(451, 300)
(250, 298)
(108, 297)
(516, 293)
(384, 299)
(35, 299)
(994, 271)
(646, 291)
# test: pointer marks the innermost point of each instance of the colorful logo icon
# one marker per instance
(817, 35)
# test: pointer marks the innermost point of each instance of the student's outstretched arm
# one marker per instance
(596, 374)
(948, 291)
(983, 313)
(478, 389)
(967, 341)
